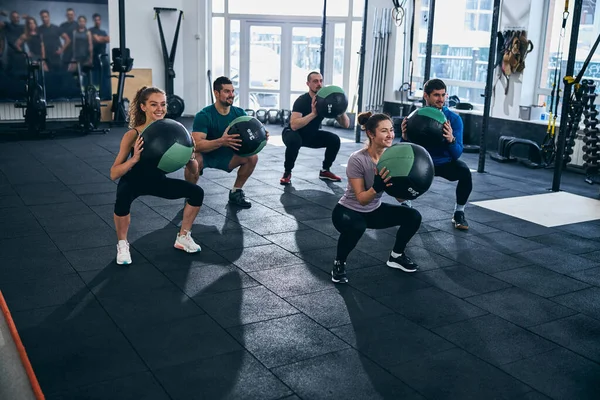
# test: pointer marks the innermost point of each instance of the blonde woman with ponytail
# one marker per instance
(361, 207)
(149, 105)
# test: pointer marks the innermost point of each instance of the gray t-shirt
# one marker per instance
(360, 165)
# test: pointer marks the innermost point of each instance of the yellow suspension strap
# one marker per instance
(557, 72)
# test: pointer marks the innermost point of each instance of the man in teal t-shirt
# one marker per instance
(215, 149)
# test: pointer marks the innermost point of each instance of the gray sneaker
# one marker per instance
(238, 198)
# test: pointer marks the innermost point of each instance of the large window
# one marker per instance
(555, 61)
(460, 53)
(268, 47)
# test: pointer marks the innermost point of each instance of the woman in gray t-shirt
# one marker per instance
(360, 207)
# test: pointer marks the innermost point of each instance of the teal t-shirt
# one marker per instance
(211, 122)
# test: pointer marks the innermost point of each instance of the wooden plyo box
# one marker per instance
(141, 77)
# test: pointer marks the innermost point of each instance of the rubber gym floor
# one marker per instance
(507, 310)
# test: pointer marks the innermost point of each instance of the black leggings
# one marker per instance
(457, 171)
(352, 225)
(294, 140)
(129, 189)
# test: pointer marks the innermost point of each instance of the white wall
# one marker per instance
(143, 40)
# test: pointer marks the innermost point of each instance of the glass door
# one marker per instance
(275, 59)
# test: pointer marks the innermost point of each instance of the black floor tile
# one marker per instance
(18, 248)
(557, 260)
(586, 301)
(140, 385)
(306, 212)
(594, 256)
(232, 240)
(391, 339)
(210, 279)
(577, 333)
(273, 224)
(355, 377)
(94, 188)
(293, 280)
(44, 292)
(119, 280)
(475, 228)
(235, 375)
(99, 199)
(440, 242)
(462, 281)
(62, 209)
(541, 281)
(506, 243)
(36, 266)
(559, 374)
(96, 237)
(262, 257)
(301, 241)
(134, 311)
(45, 193)
(431, 307)
(85, 361)
(74, 223)
(494, 340)
(324, 225)
(455, 374)
(381, 281)
(591, 276)
(588, 230)
(486, 259)
(521, 227)
(375, 240)
(81, 318)
(181, 341)
(286, 340)
(10, 201)
(567, 242)
(281, 200)
(241, 307)
(521, 307)
(483, 215)
(338, 306)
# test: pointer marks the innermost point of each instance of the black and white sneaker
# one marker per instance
(459, 221)
(402, 262)
(338, 273)
(238, 198)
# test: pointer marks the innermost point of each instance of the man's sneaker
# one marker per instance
(406, 203)
(238, 198)
(338, 273)
(459, 220)
(329, 176)
(123, 255)
(186, 243)
(286, 179)
(402, 262)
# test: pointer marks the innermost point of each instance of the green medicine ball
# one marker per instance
(252, 133)
(411, 170)
(425, 127)
(168, 146)
(331, 101)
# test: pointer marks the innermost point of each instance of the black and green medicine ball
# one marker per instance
(425, 127)
(168, 145)
(331, 101)
(252, 133)
(411, 170)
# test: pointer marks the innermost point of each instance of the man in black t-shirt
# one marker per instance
(51, 35)
(305, 130)
(12, 30)
(100, 72)
(67, 28)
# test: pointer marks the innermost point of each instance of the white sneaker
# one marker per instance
(186, 243)
(123, 255)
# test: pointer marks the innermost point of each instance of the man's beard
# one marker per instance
(226, 103)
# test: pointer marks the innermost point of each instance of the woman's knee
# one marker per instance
(122, 207)
(196, 196)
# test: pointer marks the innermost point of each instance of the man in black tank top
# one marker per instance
(305, 131)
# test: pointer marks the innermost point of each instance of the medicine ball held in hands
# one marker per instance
(168, 146)
(411, 170)
(331, 101)
(252, 133)
(425, 127)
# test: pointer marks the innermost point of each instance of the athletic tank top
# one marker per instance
(81, 50)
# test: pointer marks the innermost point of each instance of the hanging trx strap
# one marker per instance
(557, 72)
(169, 58)
(410, 59)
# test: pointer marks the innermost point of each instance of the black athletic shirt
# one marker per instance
(303, 105)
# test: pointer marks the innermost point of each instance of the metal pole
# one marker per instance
(122, 26)
(564, 115)
(323, 35)
(488, 87)
(429, 46)
(361, 71)
(374, 56)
